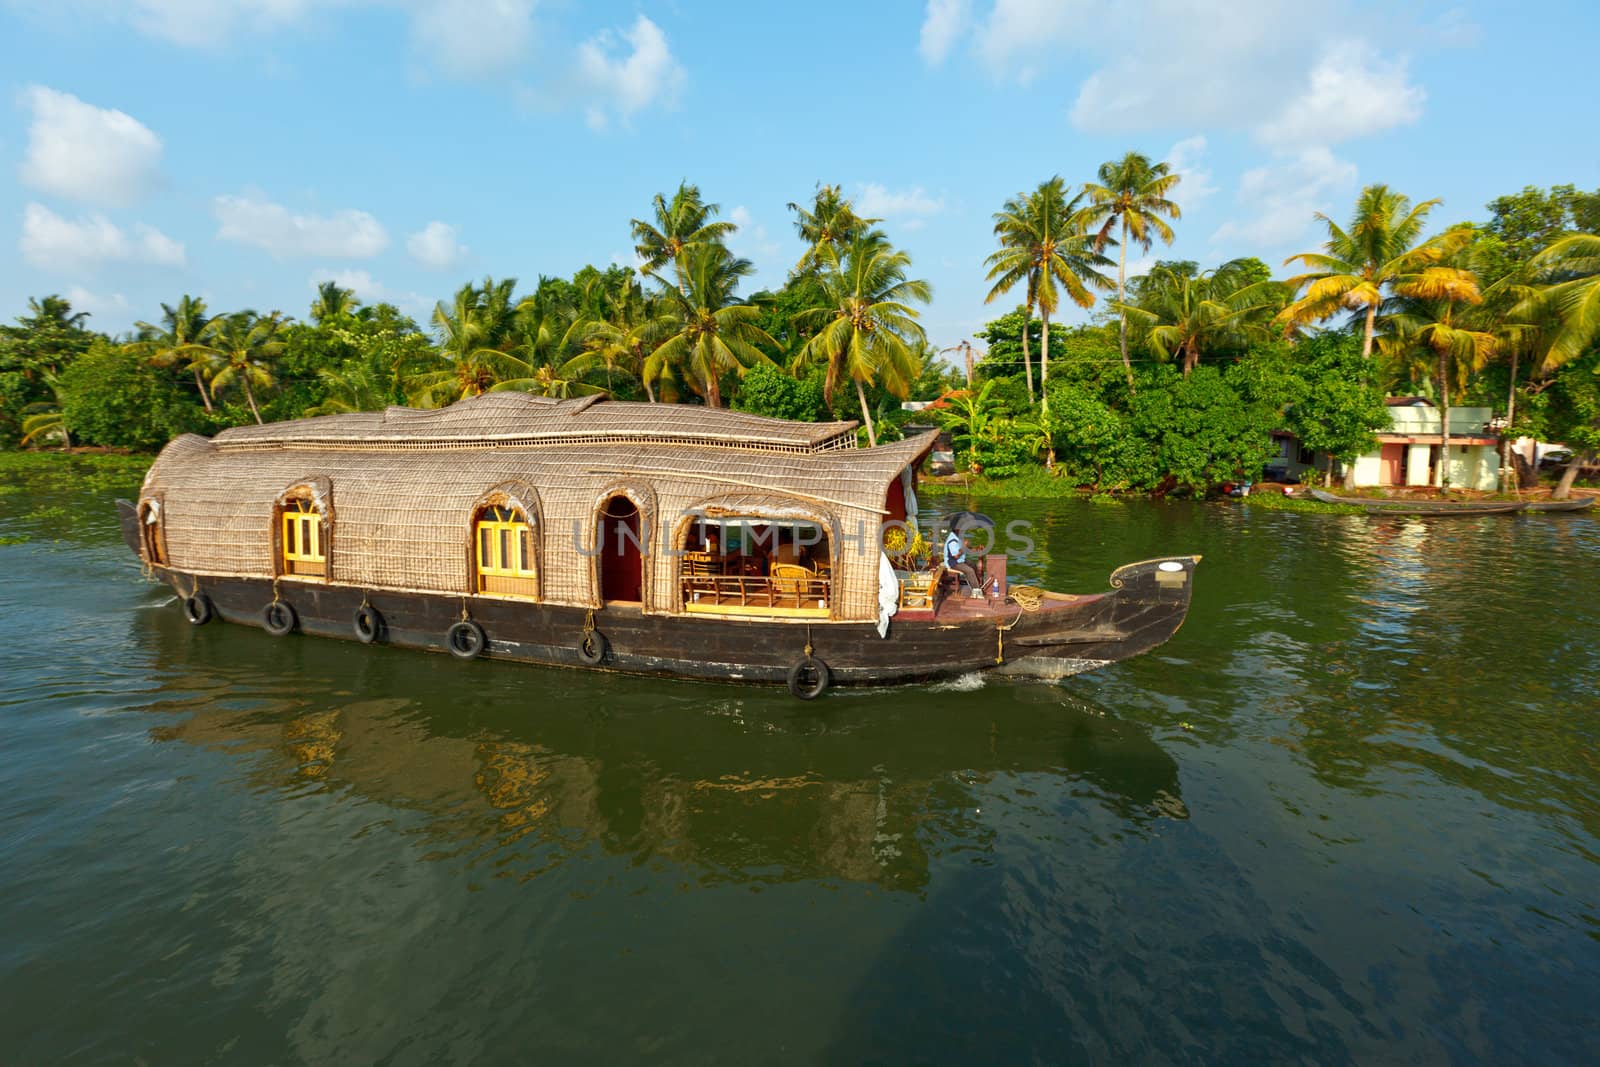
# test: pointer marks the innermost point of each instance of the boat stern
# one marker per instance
(128, 515)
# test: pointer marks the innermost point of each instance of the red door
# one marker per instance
(620, 566)
(1392, 465)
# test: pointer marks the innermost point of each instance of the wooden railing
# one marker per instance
(735, 593)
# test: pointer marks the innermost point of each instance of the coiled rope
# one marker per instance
(1027, 597)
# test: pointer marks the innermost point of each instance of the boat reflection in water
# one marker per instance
(521, 768)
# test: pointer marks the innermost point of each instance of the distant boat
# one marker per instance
(1451, 507)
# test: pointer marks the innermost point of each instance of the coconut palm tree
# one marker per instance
(679, 224)
(1359, 267)
(1012, 227)
(1183, 316)
(712, 332)
(830, 222)
(333, 300)
(42, 421)
(639, 322)
(1427, 315)
(867, 331)
(244, 347)
(1569, 271)
(1132, 193)
(177, 340)
(1054, 247)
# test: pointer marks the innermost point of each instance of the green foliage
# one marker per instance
(1004, 337)
(33, 354)
(1332, 407)
(1525, 223)
(766, 390)
(1094, 443)
(1572, 413)
(1202, 429)
(110, 397)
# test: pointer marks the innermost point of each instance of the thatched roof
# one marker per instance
(501, 419)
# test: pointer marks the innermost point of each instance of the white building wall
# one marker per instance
(1474, 467)
(1417, 464)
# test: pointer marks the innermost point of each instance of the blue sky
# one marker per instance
(244, 149)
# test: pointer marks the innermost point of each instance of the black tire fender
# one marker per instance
(368, 624)
(593, 648)
(198, 609)
(466, 640)
(278, 618)
(809, 678)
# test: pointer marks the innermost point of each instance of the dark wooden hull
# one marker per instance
(1424, 508)
(1147, 604)
(1559, 505)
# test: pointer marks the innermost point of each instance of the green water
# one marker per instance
(1351, 813)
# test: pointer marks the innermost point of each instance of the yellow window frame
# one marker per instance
(505, 553)
(303, 550)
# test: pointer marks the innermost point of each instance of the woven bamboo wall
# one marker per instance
(401, 514)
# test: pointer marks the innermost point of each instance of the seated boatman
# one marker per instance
(955, 558)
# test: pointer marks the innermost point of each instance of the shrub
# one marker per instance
(112, 398)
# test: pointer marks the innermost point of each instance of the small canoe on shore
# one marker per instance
(1461, 508)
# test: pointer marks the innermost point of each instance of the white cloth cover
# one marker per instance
(906, 478)
(888, 593)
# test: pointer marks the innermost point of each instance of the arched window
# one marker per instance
(303, 550)
(506, 558)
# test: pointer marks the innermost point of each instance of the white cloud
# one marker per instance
(942, 25)
(202, 23)
(1019, 35)
(1281, 198)
(909, 209)
(1352, 93)
(1227, 64)
(86, 153)
(367, 289)
(1185, 160)
(52, 242)
(273, 228)
(97, 304)
(435, 246)
(474, 38)
(628, 83)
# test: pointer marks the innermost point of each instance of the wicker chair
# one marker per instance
(791, 583)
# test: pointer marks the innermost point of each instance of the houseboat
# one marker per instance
(644, 538)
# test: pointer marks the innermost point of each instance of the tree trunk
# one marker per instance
(249, 394)
(872, 435)
(1444, 425)
(1122, 298)
(1044, 392)
(1507, 472)
(1570, 474)
(1027, 359)
(713, 392)
(200, 383)
(1367, 333)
